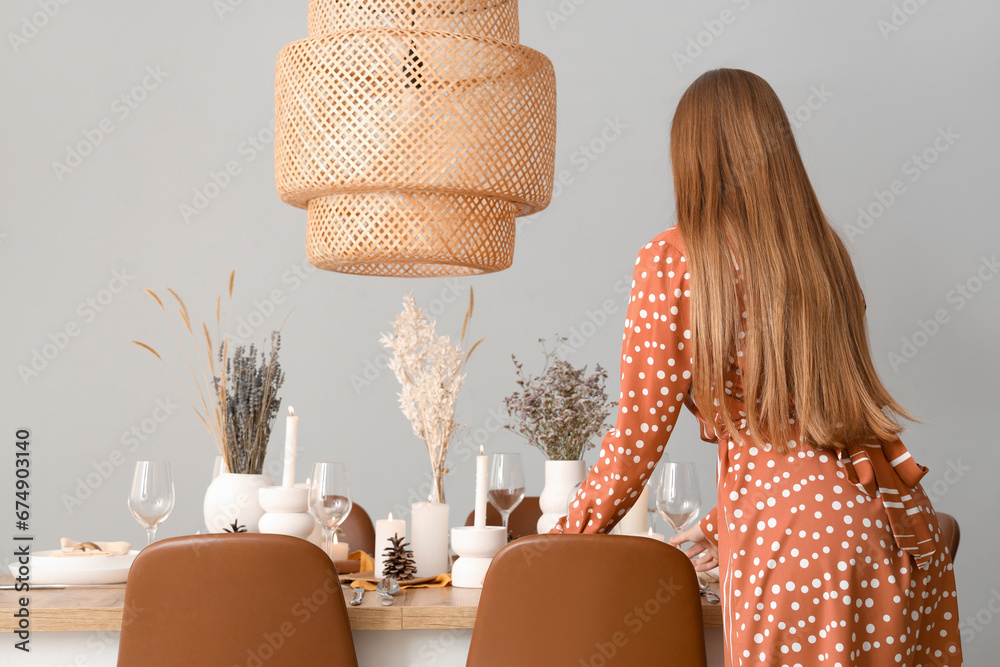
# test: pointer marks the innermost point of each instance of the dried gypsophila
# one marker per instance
(561, 410)
(430, 373)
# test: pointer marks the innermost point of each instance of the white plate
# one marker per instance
(46, 569)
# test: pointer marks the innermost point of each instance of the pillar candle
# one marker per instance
(339, 550)
(384, 529)
(429, 538)
(291, 442)
(482, 487)
(652, 534)
(636, 519)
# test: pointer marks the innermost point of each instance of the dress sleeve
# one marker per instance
(655, 379)
(709, 525)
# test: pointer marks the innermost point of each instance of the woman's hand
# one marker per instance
(701, 546)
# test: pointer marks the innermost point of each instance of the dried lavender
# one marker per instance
(561, 410)
(248, 396)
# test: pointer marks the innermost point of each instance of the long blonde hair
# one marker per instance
(743, 193)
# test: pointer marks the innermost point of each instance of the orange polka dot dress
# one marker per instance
(826, 559)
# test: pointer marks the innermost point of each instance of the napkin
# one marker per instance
(439, 581)
(367, 562)
(73, 549)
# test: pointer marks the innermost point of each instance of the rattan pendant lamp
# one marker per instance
(413, 132)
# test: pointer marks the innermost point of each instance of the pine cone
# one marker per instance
(399, 560)
(236, 527)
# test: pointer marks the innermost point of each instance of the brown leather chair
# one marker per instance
(358, 530)
(246, 598)
(589, 600)
(523, 520)
(950, 533)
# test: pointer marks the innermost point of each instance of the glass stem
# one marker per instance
(328, 542)
(504, 516)
(150, 535)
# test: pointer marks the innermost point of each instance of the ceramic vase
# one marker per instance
(234, 497)
(561, 478)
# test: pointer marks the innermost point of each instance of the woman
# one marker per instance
(749, 313)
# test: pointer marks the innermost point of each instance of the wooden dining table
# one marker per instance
(87, 609)
(90, 610)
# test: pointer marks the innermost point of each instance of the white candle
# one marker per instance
(636, 519)
(339, 550)
(291, 441)
(384, 529)
(482, 486)
(653, 535)
(429, 539)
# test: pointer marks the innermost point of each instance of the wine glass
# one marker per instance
(152, 497)
(678, 498)
(654, 486)
(329, 498)
(506, 484)
(651, 513)
(219, 467)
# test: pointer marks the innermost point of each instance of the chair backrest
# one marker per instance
(950, 532)
(358, 530)
(523, 520)
(589, 600)
(242, 599)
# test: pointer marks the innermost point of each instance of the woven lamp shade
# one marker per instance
(414, 132)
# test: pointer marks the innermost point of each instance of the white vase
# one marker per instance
(561, 478)
(234, 497)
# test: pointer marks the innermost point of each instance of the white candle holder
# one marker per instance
(475, 547)
(286, 511)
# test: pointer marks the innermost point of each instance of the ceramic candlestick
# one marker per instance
(475, 547)
(286, 511)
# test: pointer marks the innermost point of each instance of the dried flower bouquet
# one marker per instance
(561, 410)
(235, 398)
(430, 370)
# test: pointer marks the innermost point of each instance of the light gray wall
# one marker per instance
(885, 97)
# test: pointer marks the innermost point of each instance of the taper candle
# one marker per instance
(291, 442)
(482, 488)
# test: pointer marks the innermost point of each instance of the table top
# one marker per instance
(84, 609)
